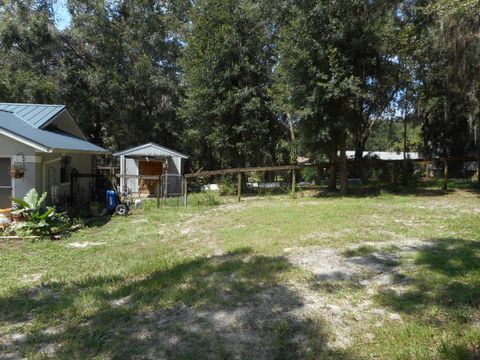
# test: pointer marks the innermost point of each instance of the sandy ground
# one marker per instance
(293, 312)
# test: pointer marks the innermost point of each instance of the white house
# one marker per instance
(150, 160)
(41, 146)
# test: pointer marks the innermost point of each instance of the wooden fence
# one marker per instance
(295, 168)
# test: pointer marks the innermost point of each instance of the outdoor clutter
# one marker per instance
(138, 203)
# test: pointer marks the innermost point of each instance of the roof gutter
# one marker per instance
(98, 152)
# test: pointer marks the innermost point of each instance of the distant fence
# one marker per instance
(240, 171)
(171, 189)
(387, 170)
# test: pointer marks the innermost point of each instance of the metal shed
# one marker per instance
(150, 160)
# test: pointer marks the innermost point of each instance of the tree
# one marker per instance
(227, 66)
(29, 52)
(333, 73)
(122, 78)
(449, 76)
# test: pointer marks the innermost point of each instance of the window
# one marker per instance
(5, 178)
(5, 183)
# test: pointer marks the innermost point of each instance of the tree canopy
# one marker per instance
(244, 82)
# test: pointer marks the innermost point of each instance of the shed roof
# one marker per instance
(150, 149)
(47, 141)
(36, 115)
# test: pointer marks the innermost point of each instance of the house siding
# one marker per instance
(50, 179)
(9, 149)
(131, 168)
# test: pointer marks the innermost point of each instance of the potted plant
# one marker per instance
(17, 171)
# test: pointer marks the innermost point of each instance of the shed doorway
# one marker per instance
(5, 183)
(149, 168)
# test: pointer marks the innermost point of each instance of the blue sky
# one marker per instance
(62, 17)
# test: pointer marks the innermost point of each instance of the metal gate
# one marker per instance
(172, 190)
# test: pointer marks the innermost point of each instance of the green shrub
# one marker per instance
(309, 174)
(37, 219)
(228, 186)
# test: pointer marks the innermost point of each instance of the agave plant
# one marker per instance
(34, 217)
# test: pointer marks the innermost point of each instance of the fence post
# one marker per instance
(185, 190)
(239, 189)
(294, 180)
(158, 191)
(165, 192)
(140, 182)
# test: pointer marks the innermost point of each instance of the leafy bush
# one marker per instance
(228, 186)
(36, 219)
(309, 174)
(205, 198)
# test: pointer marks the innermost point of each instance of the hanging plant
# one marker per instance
(17, 171)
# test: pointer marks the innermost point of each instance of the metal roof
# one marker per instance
(48, 141)
(385, 155)
(151, 149)
(36, 115)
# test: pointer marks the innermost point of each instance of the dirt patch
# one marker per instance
(251, 329)
(31, 278)
(120, 302)
(381, 268)
(84, 244)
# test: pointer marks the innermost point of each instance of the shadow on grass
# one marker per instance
(378, 190)
(449, 279)
(229, 306)
(97, 221)
(357, 269)
(444, 294)
(415, 188)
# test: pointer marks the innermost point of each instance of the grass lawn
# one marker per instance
(361, 277)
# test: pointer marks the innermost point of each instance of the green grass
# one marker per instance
(360, 251)
(218, 281)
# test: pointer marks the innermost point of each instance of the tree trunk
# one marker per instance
(359, 149)
(445, 175)
(332, 171)
(343, 166)
(478, 157)
(293, 147)
(478, 171)
(405, 149)
(291, 128)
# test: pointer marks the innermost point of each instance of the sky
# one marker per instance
(62, 17)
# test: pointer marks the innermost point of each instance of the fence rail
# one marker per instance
(164, 185)
(321, 164)
(366, 162)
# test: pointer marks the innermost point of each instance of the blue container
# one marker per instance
(112, 200)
